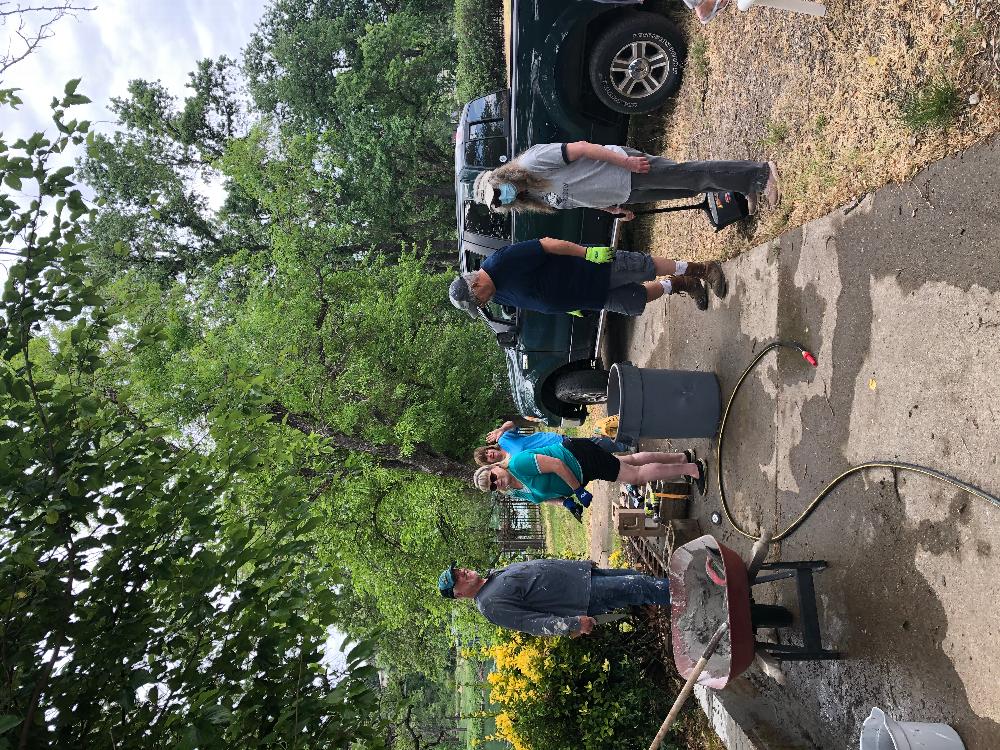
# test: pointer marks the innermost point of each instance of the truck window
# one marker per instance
(488, 129)
(486, 152)
(478, 219)
(486, 108)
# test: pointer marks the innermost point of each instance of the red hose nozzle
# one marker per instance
(808, 357)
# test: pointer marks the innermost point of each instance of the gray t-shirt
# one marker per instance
(584, 183)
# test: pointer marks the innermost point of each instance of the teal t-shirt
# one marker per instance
(543, 486)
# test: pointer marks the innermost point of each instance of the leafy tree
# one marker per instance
(144, 601)
(151, 175)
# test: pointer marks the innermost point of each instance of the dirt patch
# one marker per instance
(825, 99)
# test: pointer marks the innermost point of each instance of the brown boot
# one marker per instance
(712, 274)
(692, 287)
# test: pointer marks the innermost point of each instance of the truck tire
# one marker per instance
(635, 66)
(583, 387)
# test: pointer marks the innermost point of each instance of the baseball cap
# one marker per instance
(461, 296)
(483, 190)
(446, 581)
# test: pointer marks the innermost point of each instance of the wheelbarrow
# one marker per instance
(713, 617)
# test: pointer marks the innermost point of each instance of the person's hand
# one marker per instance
(587, 625)
(494, 436)
(600, 254)
(625, 215)
(638, 164)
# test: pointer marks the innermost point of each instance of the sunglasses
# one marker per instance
(493, 482)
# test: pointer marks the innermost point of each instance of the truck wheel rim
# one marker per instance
(640, 69)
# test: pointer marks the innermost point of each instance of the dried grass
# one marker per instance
(824, 98)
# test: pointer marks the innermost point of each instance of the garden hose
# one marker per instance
(895, 465)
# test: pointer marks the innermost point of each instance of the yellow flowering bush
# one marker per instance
(617, 560)
(590, 692)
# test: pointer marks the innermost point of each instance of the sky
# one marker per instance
(119, 41)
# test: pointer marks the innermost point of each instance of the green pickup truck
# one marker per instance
(578, 69)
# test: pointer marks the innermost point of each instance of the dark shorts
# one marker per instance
(595, 462)
(626, 294)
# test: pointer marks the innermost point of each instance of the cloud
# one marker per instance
(123, 40)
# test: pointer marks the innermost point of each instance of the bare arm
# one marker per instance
(550, 465)
(623, 214)
(493, 436)
(586, 150)
(562, 247)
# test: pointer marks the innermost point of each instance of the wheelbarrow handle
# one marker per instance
(699, 667)
(757, 555)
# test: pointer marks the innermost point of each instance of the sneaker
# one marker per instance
(716, 279)
(693, 288)
(701, 481)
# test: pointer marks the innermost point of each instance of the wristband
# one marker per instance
(583, 496)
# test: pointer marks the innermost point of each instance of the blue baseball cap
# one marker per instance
(446, 582)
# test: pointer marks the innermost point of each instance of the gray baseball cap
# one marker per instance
(461, 296)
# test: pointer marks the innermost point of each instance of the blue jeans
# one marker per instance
(619, 588)
(606, 443)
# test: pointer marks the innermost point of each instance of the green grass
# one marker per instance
(697, 57)
(819, 125)
(564, 536)
(962, 37)
(934, 105)
(777, 133)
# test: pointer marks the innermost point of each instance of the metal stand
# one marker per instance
(769, 616)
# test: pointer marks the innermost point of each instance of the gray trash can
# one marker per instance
(653, 403)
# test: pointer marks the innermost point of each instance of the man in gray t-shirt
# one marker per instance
(552, 597)
(585, 175)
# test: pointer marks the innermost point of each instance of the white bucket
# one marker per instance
(882, 733)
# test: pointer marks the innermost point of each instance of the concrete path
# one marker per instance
(899, 298)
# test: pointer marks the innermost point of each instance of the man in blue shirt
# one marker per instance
(552, 597)
(556, 276)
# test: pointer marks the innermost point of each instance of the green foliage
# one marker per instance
(481, 65)
(596, 690)
(141, 601)
(309, 316)
(419, 712)
(933, 105)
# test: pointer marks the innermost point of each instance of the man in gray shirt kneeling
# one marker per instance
(552, 597)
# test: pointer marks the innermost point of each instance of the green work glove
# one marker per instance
(600, 254)
(575, 313)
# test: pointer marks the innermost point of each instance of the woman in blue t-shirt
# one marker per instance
(560, 472)
(506, 441)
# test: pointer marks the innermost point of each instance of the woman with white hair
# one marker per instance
(552, 176)
(560, 473)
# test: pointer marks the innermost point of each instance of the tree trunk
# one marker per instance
(423, 460)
